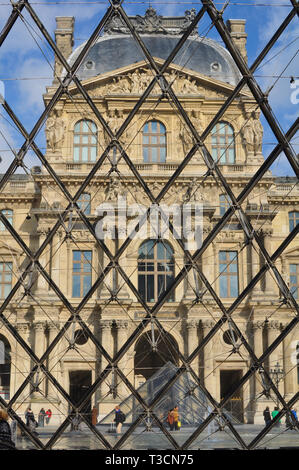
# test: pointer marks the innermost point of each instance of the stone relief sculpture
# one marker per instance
(248, 133)
(258, 133)
(185, 133)
(192, 193)
(55, 130)
(114, 189)
(252, 133)
(137, 82)
(152, 23)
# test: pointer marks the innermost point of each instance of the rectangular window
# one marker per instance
(5, 279)
(228, 269)
(81, 272)
(294, 280)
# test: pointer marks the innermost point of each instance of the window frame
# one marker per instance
(81, 273)
(92, 143)
(294, 287)
(8, 213)
(5, 272)
(293, 220)
(220, 148)
(154, 272)
(81, 202)
(227, 274)
(150, 145)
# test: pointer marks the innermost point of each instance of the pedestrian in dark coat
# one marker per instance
(267, 416)
(41, 417)
(30, 420)
(6, 442)
(119, 419)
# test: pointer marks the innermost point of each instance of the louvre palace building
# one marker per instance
(53, 309)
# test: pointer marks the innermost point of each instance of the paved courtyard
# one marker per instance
(144, 440)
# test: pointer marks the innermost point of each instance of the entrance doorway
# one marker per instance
(153, 351)
(80, 381)
(228, 381)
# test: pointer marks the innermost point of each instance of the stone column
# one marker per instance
(209, 381)
(39, 349)
(277, 355)
(192, 330)
(257, 328)
(268, 276)
(122, 336)
(289, 367)
(255, 267)
(22, 362)
(53, 360)
(107, 343)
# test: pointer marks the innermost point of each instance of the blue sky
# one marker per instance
(31, 60)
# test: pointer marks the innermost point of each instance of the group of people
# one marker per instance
(43, 416)
(173, 419)
(270, 416)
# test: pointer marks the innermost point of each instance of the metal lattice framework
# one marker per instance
(151, 312)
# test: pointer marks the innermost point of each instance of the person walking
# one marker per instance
(267, 416)
(41, 417)
(30, 420)
(119, 419)
(275, 413)
(48, 417)
(170, 419)
(6, 442)
(175, 414)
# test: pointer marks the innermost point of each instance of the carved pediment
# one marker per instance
(135, 79)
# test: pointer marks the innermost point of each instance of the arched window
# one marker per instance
(293, 219)
(155, 270)
(5, 361)
(223, 144)
(154, 142)
(8, 213)
(85, 141)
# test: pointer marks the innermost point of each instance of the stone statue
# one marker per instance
(192, 194)
(55, 130)
(248, 133)
(258, 133)
(114, 188)
(185, 133)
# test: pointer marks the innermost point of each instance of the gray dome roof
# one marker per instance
(112, 52)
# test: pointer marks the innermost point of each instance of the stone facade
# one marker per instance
(38, 203)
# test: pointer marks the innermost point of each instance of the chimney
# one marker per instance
(237, 32)
(64, 37)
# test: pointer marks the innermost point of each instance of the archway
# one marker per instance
(152, 351)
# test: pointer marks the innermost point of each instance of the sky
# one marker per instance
(26, 61)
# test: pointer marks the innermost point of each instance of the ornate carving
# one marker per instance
(152, 23)
(185, 133)
(248, 134)
(55, 130)
(122, 324)
(252, 133)
(192, 324)
(258, 132)
(192, 194)
(114, 188)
